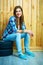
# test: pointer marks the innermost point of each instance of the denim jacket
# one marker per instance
(11, 27)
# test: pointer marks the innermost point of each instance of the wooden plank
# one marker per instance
(25, 10)
(18, 2)
(34, 22)
(4, 20)
(2, 15)
(8, 10)
(29, 14)
(21, 2)
(14, 3)
(38, 26)
(11, 7)
(41, 21)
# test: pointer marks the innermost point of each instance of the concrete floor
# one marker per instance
(14, 60)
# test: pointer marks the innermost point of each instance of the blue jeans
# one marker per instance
(17, 37)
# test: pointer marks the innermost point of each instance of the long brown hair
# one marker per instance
(22, 16)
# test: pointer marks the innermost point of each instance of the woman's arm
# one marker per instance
(12, 24)
(26, 31)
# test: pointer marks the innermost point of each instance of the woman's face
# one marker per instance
(18, 12)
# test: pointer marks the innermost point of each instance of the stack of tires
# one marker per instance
(6, 48)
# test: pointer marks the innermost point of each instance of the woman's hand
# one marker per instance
(29, 32)
(20, 31)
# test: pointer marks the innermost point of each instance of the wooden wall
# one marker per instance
(33, 15)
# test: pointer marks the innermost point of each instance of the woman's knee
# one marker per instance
(27, 35)
(18, 35)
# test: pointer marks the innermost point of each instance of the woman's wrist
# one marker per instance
(25, 31)
(22, 31)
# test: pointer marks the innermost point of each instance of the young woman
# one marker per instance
(16, 30)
